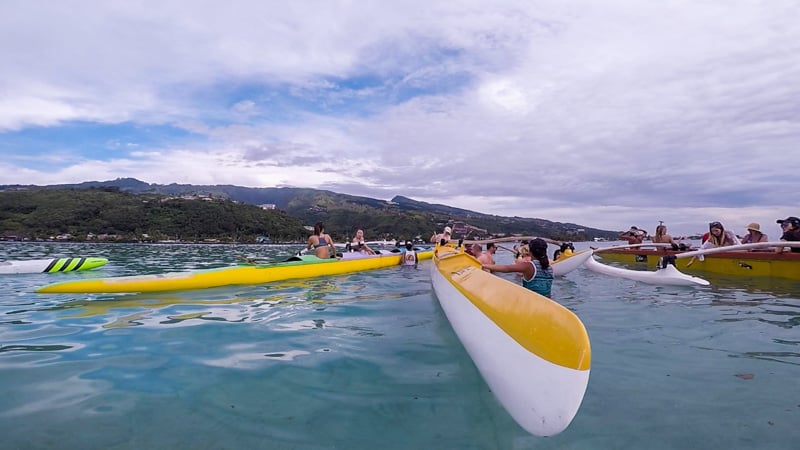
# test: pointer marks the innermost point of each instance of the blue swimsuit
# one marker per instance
(322, 242)
(542, 280)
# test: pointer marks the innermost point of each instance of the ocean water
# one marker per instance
(368, 360)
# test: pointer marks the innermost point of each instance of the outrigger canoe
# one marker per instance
(51, 265)
(533, 353)
(306, 266)
(733, 260)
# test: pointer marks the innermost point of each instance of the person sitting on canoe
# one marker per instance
(537, 274)
(358, 244)
(662, 237)
(445, 235)
(566, 250)
(410, 258)
(321, 243)
(754, 235)
(633, 236)
(791, 232)
(717, 237)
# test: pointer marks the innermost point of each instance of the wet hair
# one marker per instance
(538, 249)
(319, 228)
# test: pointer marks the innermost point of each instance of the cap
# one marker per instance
(754, 227)
(448, 230)
(791, 219)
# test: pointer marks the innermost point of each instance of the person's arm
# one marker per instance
(310, 244)
(523, 267)
(331, 244)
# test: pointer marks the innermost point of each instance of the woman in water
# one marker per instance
(537, 273)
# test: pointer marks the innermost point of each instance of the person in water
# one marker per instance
(409, 258)
(321, 243)
(537, 273)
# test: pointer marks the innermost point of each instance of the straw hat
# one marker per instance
(754, 227)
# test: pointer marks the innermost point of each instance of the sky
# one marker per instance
(604, 114)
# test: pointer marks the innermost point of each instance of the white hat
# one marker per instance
(448, 230)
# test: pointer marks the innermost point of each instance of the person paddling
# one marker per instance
(321, 243)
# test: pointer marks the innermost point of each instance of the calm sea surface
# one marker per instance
(369, 361)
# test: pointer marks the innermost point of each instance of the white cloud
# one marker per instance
(604, 114)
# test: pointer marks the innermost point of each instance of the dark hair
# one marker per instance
(716, 225)
(489, 245)
(319, 228)
(409, 245)
(538, 249)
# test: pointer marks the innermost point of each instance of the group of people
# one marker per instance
(324, 248)
(718, 236)
(532, 261)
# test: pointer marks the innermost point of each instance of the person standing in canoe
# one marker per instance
(537, 274)
(321, 243)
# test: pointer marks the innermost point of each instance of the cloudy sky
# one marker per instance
(607, 114)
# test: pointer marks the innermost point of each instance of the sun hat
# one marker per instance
(754, 227)
(448, 230)
(791, 219)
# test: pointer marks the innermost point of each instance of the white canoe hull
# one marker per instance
(513, 336)
(668, 276)
(566, 265)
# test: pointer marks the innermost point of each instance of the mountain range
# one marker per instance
(342, 213)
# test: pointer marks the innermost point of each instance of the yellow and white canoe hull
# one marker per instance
(303, 267)
(532, 352)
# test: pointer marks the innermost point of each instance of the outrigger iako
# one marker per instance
(750, 260)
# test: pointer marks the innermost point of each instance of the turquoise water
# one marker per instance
(369, 361)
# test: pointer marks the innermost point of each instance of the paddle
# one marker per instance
(247, 260)
(512, 239)
(730, 248)
(617, 247)
(510, 250)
